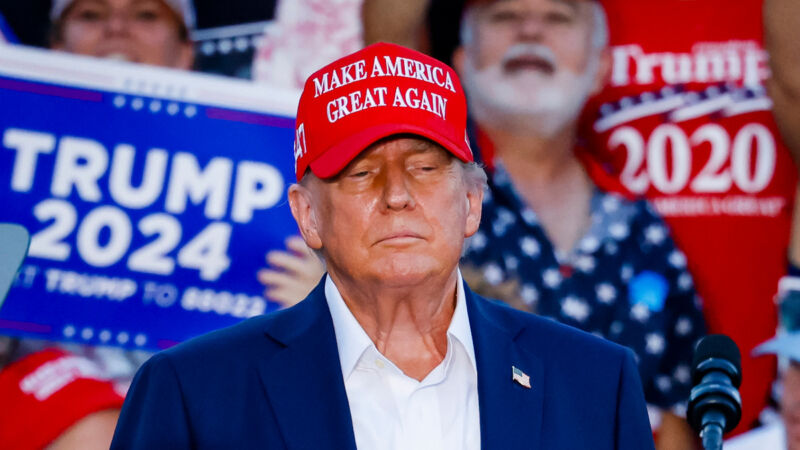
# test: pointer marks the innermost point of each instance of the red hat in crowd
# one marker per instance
(45, 393)
(379, 91)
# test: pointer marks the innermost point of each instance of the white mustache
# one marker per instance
(530, 49)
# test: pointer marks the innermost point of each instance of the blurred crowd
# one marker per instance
(641, 161)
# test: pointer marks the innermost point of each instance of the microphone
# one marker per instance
(715, 406)
(14, 240)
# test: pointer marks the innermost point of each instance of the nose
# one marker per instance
(116, 23)
(530, 27)
(396, 193)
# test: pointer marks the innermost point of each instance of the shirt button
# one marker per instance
(380, 364)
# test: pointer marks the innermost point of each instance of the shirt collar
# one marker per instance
(352, 340)
(611, 214)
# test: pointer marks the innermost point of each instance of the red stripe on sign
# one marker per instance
(25, 326)
(50, 90)
(251, 118)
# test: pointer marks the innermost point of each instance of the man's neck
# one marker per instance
(550, 179)
(408, 324)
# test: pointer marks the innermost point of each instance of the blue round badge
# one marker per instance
(649, 289)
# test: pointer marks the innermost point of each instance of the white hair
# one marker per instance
(599, 26)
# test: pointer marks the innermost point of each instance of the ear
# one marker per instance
(303, 212)
(603, 76)
(474, 208)
(458, 60)
(186, 56)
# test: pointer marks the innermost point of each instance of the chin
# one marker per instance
(403, 269)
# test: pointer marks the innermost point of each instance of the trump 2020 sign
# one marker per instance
(151, 196)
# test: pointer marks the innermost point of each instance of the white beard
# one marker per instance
(528, 101)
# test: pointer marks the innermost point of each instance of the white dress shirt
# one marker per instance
(391, 410)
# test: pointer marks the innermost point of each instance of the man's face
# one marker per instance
(143, 31)
(530, 57)
(398, 214)
(790, 405)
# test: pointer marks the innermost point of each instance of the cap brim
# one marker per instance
(337, 157)
(787, 345)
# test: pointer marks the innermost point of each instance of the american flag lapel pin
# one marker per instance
(520, 377)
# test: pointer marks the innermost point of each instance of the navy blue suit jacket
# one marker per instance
(275, 382)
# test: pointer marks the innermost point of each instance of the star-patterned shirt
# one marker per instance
(625, 281)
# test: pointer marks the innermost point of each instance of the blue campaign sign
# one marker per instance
(151, 197)
(6, 35)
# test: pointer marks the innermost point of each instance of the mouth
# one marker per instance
(529, 62)
(401, 238)
(117, 54)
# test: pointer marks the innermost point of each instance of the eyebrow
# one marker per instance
(426, 146)
(106, 3)
(98, 2)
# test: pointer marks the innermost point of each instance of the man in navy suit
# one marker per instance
(391, 350)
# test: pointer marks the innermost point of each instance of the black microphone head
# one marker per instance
(717, 373)
(718, 347)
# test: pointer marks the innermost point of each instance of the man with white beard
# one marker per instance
(552, 241)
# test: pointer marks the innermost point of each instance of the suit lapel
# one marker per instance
(304, 380)
(510, 415)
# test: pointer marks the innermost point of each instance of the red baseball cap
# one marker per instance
(45, 393)
(378, 91)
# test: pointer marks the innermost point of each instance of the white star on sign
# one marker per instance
(683, 374)
(585, 264)
(477, 241)
(677, 259)
(626, 273)
(663, 383)
(606, 293)
(640, 312)
(683, 326)
(493, 274)
(552, 278)
(530, 246)
(511, 262)
(618, 231)
(685, 281)
(504, 219)
(528, 216)
(575, 308)
(529, 294)
(589, 244)
(610, 203)
(655, 343)
(655, 234)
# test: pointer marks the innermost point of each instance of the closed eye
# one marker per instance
(558, 17)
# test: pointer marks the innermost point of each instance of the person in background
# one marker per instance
(573, 250)
(686, 121)
(290, 274)
(782, 434)
(781, 22)
(782, 29)
(306, 35)
(152, 32)
(61, 396)
(55, 400)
